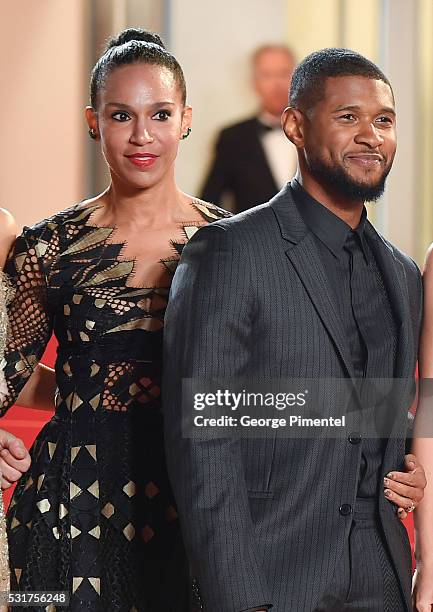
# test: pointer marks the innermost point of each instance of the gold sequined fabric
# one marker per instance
(5, 294)
(5, 297)
(4, 552)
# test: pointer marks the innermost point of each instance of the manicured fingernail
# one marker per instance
(400, 512)
(412, 464)
(388, 493)
(386, 482)
(391, 475)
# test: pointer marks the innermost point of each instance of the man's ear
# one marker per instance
(292, 121)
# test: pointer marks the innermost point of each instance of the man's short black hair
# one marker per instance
(308, 81)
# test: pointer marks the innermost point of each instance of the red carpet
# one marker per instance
(26, 424)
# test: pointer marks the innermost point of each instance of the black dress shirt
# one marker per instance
(363, 305)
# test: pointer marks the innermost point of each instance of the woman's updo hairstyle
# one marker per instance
(133, 46)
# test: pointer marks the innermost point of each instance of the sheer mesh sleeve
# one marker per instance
(30, 322)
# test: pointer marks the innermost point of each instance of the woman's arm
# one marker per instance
(423, 448)
(40, 389)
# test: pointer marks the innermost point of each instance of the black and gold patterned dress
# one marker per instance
(94, 515)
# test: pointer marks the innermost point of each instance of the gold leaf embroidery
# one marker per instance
(96, 236)
(119, 270)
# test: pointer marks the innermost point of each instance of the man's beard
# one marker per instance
(339, 181)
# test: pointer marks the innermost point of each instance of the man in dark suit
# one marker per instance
(252, 159)
(301, 286)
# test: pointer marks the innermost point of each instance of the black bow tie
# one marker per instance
(264, 128)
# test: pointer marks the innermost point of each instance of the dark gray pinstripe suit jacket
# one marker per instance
(261, 518)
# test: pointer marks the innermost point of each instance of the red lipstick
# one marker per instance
(142, 160)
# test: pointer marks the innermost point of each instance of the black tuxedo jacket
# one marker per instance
(240, 168)
(262, 519)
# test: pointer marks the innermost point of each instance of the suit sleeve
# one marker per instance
(219, 178)
(208, 334)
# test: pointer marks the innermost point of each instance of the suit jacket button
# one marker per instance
(345, 509)
(355, 438)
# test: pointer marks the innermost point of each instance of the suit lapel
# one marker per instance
(304, 257)
(394, 278)
(302, 253)
(306, 261)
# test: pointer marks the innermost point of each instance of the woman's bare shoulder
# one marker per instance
(8, 227)
(8, 232)
(428, 262)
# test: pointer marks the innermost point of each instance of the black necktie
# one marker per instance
(360, 312)
(366, 300)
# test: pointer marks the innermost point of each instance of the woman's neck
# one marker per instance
(158, 205)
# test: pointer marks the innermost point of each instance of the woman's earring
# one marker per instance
(92, 133)
(188, 132)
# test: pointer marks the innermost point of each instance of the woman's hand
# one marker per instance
(406, 489)
(14, 459)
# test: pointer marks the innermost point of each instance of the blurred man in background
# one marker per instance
(252, 160)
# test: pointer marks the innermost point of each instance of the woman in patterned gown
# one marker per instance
(14, 458)
(95, 515)
(7, 236)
